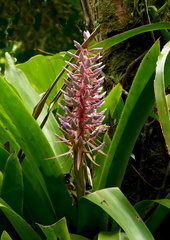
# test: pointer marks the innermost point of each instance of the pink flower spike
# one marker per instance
(81, 122)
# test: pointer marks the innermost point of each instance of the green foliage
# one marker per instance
(58, 230)
(113, 202)
(160, 95)
(109, 42)
(132, 120)
(12, 186)
(5, 236)
(28, 27)
(35, 201)
(23, 229)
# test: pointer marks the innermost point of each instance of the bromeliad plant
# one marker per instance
(35, 202)
(81, 121)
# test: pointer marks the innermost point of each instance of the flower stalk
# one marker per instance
(81, 123)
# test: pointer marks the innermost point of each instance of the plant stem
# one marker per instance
(79, 178)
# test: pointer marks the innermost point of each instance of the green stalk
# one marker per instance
(79, 177)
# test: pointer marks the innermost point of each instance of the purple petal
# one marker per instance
(97, 148)
(96, 65)
(77, 45)
(95, 49)
(68, 83)
(73, 55)
(73, 66)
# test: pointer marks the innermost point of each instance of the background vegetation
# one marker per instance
(30, 27)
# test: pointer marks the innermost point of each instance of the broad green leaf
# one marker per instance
(159, 86)
(21, 226)
(5, 236)
(6, 137)
(41, 71)
(58, 230)
(109, 235)
(137, 108)
(1, 179)
(37, 148)
(113, 202)
(12, 187)
(100, 160)
(142, 206)
(4, 156)
(36, 197)
(91, 219)
(10, 132)
(157, 217)
(123, 236)
(109, 42)
(32, 177)
(159, 214)
(52, 175)
(77, 237)
(119, 108)
(30, 97)
(111, 101)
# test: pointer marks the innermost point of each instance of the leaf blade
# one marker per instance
(131, 122)
(159, 87)
(109, 42)
(112, 201)
(12, 187)
(20, 225)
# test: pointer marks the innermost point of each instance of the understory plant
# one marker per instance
(60, 171)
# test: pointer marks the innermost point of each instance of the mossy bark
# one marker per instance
(116, 17)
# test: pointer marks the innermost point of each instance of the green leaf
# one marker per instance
(36, 147)
(168, 101)
(137, 108)
(1, 180)
(109, 235)
(159, 86)
(4, 156)
(91, 219)
(142, 206)
(31, 174)
(23, 229)
(5, 236)
(100, 160)
(159, 214)
(21, 84)
(36, 196)
(6, 139)
(77, 237)
(109, 42)
(12, 187)
(113, 202)
(10, 132)
(58, 230)
(111, 101)
(41, 71)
